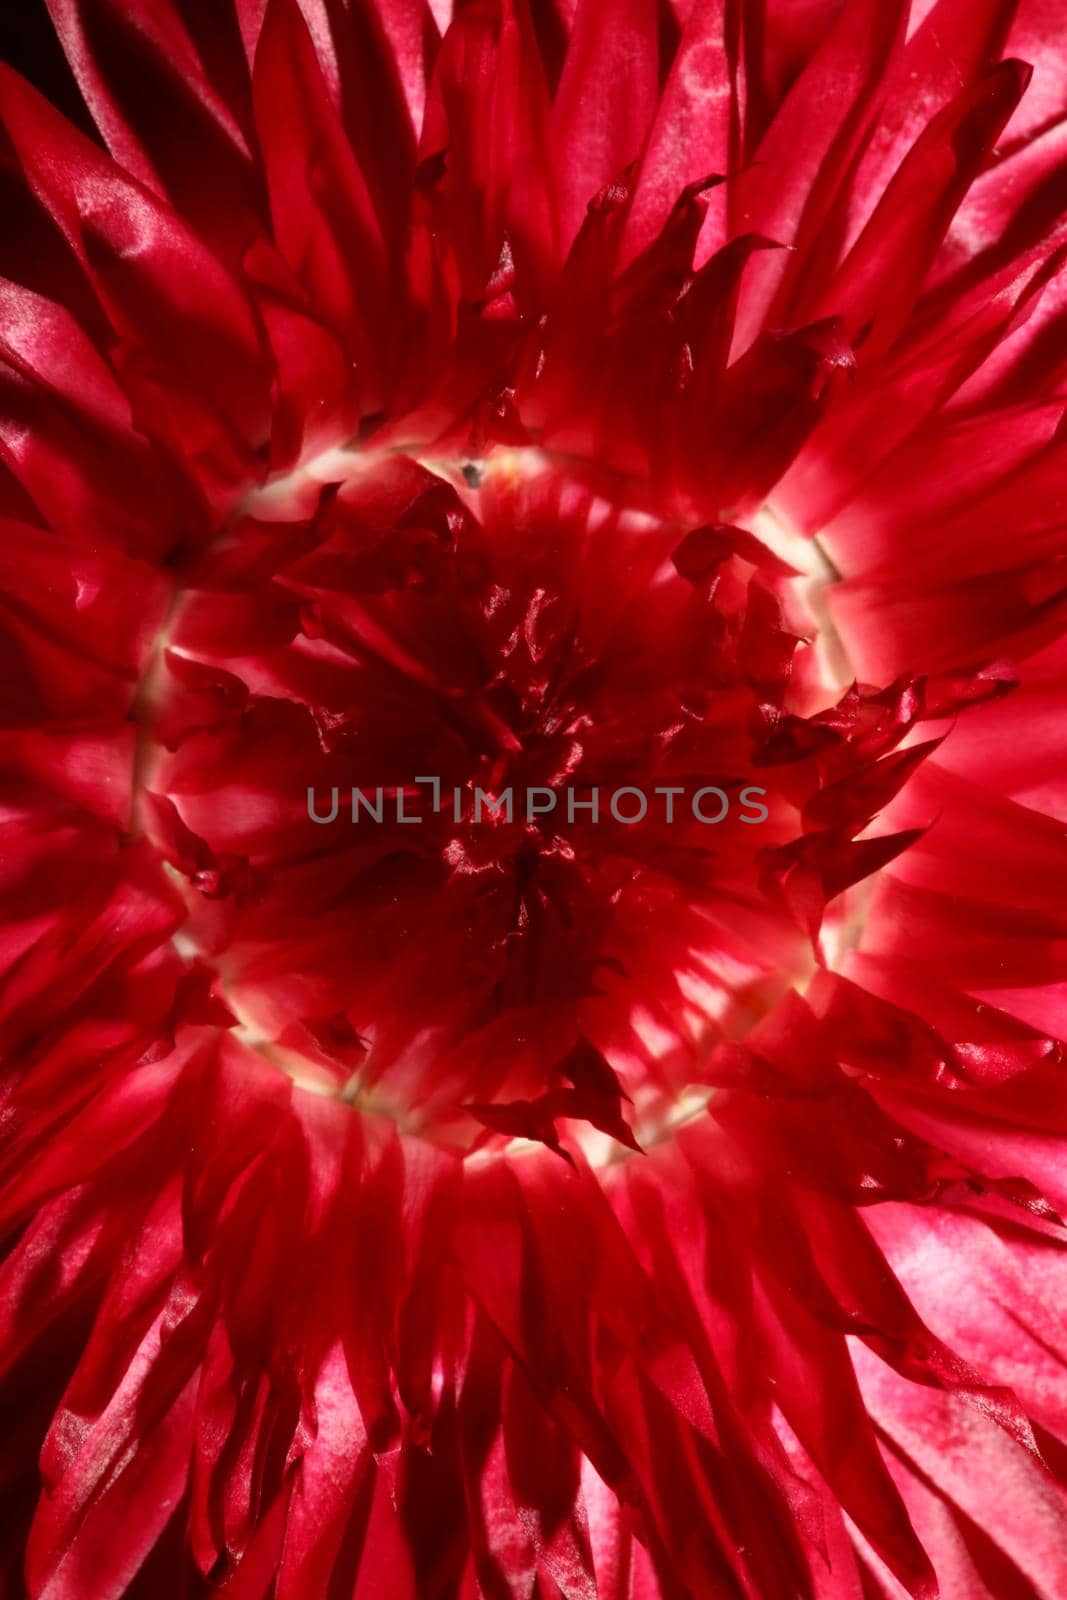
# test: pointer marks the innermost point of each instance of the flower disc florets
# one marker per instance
(472, 768)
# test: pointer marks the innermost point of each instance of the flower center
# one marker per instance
(485, 790)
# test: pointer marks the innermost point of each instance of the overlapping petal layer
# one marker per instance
(608, 395)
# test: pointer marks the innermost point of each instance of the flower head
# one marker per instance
(533, 619)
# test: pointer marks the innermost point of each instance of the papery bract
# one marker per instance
(569, 400)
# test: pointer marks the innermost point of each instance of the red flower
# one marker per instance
(534, 854)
